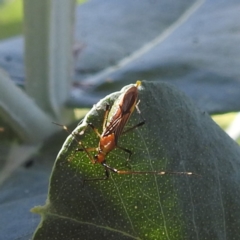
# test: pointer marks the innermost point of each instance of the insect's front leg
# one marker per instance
(107, 110)
(129, 152)
(135, 126)
(94, 129)
(106, 114)
(82, 149)
(143, 121)
(87, 150)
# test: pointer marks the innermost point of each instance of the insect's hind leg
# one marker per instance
(106, 177)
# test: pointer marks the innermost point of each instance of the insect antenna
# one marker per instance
(64, 127)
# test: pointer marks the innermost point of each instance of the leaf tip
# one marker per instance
(38, 209)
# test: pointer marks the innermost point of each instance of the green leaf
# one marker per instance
(176, 137)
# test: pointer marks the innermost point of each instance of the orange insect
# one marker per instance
(114, 129)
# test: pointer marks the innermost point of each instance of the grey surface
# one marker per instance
(200, 56)
(26, 188)
(111, 31)
(12, 59)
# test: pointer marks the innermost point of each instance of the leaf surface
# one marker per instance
(176, 137)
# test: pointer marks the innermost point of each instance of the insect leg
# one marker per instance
(139, 112)
(133, 127)
(127, 151)
(158, 173)
(148, 172)
(140, 123)
(107, 174)
(94, 129)
(104, 121)
(106, 116)
(87, 150)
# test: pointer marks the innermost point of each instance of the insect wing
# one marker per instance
(129, 100)
(120, 118)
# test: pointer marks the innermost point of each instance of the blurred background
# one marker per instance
(89, 39)
(67, 56)
(58, 58)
